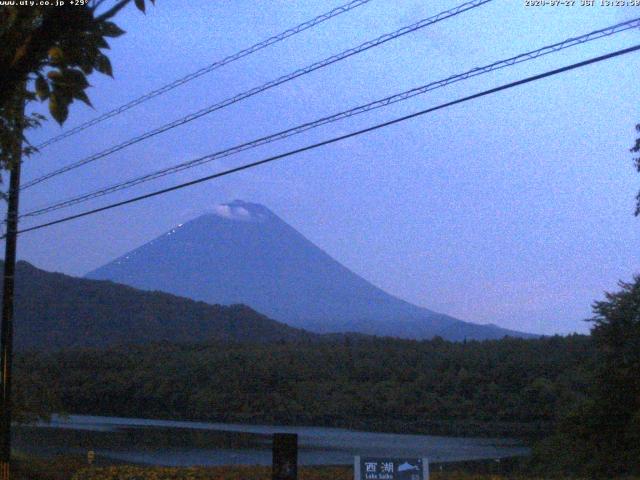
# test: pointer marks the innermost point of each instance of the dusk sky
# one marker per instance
(514, 209)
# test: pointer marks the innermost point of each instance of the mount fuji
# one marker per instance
(243, 253)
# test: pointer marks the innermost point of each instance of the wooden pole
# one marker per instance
(285, 456)
(6, 329)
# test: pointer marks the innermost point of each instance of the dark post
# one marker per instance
(6, 334)
(285, 456)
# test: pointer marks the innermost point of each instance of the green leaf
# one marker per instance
(110, 29)
(54, 75)
(85, 62)
(75, 78)
(56, 55)
(82, 96)
(42, 87)
(140, 5)
(103, 65)
(63, 93)
(86, 67)
(101, 42)
(59, 109)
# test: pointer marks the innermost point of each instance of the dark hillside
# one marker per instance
(58, 311)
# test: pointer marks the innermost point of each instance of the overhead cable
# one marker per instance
(204, 70)
(334, 139)
(254, 91)
(605, 32)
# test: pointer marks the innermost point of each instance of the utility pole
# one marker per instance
(6, 329)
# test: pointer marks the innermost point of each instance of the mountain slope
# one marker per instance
(56, 311)
(244, 253)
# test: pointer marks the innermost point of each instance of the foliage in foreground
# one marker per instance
(48, 50)
(47, 53)
(600, 436)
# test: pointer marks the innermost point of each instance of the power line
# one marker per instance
(337, 139)
(273, 83)
(605, 32)
(209, 68)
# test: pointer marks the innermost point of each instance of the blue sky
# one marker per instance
(515, 209)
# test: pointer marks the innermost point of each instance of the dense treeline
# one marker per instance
(508, 387)
(599, 436)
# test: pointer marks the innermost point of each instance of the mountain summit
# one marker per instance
(243, 253)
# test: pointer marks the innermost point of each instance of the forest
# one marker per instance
(508, 387)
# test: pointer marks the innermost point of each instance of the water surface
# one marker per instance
(180, 443)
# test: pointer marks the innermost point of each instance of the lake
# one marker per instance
(180, 443)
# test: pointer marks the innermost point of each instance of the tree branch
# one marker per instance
(113, 10)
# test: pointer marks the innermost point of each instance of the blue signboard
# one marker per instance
(379, 468)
